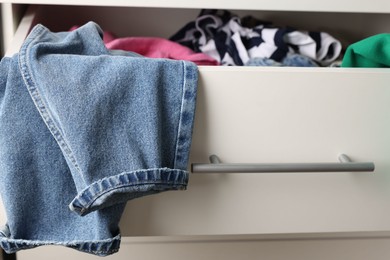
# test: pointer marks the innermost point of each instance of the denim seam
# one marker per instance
(36, 96)
(70, 245)
(86, 206)
(187, 109)
(75, 244)
(98, 195)
(180, 118)
(111, 251)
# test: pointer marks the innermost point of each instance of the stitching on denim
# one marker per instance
(85, 206)
(181, 115)
(188, 106)
(135, 172)
(111, 251)
(69, 243)
(100, 194)
(36, 97)
(27, 244)
(77, 247)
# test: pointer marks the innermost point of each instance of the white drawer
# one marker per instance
(272, 115)
(248, 115)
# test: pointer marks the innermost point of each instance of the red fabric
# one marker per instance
(153, 47)
(160, 48)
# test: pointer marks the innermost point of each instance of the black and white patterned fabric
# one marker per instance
(234, 41)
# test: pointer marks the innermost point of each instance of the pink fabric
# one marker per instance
(107, 37)
(160, 48)
(153, 47)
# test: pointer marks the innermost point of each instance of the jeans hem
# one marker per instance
(98, 247)
(126, 186)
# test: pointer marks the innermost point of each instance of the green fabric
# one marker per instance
(372, 52)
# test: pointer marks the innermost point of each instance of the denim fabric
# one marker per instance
(82, 131)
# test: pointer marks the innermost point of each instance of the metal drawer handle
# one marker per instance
(345, 165)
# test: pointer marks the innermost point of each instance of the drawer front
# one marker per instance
(160, 248)
(274, 115)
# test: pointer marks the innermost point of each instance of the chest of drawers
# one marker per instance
(264, 115)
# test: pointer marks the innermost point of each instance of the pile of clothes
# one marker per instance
(218, 37)
(249, 41)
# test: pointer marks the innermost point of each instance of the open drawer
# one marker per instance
(266, 115)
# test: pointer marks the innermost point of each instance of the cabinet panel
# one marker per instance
(303, 249)
(270, 115)
(139, 21)
(376, 6)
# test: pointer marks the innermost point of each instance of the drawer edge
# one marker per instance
(27, 22)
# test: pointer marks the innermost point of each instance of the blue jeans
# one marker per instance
(82, 131)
